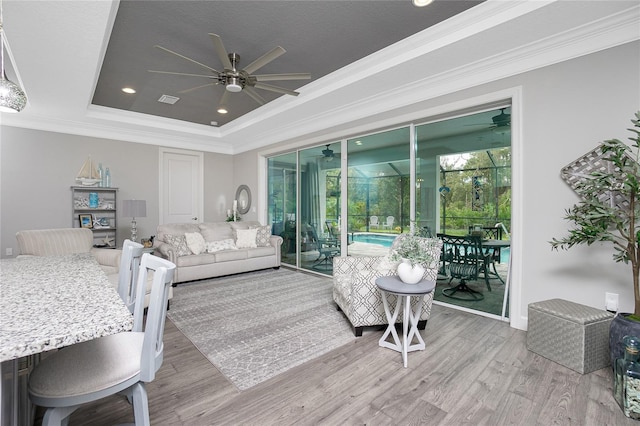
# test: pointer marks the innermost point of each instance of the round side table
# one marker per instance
(393, 285)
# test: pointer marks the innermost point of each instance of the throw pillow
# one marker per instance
(226, 244)
(246, 238)
(263, 236)
(179, 243)
(195, 242)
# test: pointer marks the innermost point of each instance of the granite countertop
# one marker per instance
(55, 301)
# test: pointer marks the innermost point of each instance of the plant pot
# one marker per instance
(621, 326)
(410, 274)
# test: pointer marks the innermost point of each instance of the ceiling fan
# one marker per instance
(327, 154)
(237, 79)
(500, 121)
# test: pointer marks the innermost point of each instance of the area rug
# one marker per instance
(256, 325)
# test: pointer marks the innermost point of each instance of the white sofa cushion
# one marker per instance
(227, 244)
(195, 242)
(246, 238)
(216, 231)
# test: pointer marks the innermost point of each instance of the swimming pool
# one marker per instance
(385, 240)
(380, 239)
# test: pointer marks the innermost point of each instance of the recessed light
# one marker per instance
(128, 90)
(421, 3)
(222, 110)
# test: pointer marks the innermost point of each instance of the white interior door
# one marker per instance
(181, 186)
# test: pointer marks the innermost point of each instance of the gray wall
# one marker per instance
(38, 168)
(567, 110)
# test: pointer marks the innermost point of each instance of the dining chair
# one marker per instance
(128, 272)
(116, 364)
(463, 258)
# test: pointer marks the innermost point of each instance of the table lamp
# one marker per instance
(133, 209)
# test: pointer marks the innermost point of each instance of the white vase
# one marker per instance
(410, 274)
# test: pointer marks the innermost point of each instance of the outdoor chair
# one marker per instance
(327, 248)
(355, 291)
(389, 223)
(373, 222)
(464, 258)
(489, 233)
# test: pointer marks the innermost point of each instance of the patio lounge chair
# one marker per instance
(389, 223)
(327, 248)
(373, 222)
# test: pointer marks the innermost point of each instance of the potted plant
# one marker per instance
(414, 254)
(609, 212)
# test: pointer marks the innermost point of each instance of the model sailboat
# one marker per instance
(88, 175)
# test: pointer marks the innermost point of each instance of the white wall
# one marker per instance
(565, 110)
(38, 168)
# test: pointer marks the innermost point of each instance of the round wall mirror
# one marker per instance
(243, 196)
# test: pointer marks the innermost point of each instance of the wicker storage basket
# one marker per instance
(571, 334)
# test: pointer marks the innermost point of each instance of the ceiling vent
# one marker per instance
(166, 99)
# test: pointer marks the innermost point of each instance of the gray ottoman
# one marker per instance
(571, 334)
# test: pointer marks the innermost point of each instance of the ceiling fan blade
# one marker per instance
(264, 59)
(285, 76)
(253, 94)
(275, 89)
(221, 51)
(197, 87)
(186, 58)
(184, 73)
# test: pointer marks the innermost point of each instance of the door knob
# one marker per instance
(194, 218)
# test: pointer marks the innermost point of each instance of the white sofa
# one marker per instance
(220, 255)
(58, 242)
(358, 297)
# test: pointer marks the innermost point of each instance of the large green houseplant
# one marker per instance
(609, 210)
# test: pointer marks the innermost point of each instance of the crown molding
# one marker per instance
(353, 94)
(607, 32)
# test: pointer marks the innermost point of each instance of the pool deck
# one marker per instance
(367, 249)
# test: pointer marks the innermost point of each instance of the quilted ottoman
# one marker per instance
(571, 334)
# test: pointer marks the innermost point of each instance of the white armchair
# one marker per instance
(355, 291)
(58, 242)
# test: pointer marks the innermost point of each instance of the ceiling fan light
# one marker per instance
(234, 85)
(12, 98)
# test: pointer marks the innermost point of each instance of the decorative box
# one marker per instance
(571, 334)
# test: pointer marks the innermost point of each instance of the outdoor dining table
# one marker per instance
(46, 303)
(493, 245)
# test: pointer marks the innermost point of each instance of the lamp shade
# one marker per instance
(134, 208)
(12, 98)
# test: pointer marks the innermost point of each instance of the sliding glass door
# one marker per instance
(283, 201)
(378, 190)
(462, 186)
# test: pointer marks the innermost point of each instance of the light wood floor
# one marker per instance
(474, 371)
